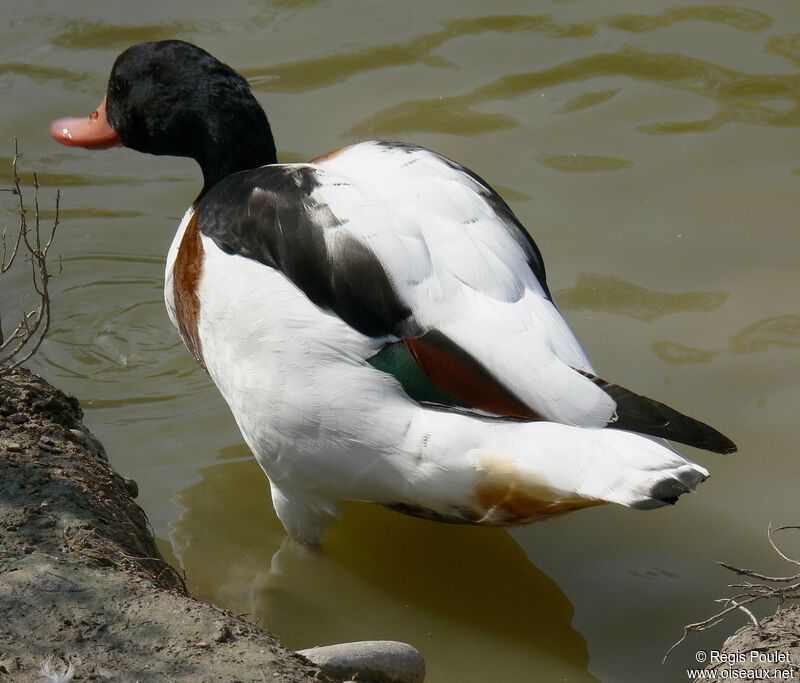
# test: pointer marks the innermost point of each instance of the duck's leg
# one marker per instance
(305, 516)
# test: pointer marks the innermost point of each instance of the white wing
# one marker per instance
(459, 260)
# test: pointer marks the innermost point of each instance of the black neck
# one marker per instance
(239, 150)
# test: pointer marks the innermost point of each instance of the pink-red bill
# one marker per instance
(92, 132)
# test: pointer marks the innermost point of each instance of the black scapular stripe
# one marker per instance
(268, 214)
(636, 413)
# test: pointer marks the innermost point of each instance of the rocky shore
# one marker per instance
(82, 583)
(85, 592)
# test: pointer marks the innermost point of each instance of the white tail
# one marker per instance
(541, 468)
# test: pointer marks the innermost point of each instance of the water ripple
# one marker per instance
(44, 74)
(734, 17)
(337, 67)
(587, 100)
(614, 295)
(83, 34)
(776, 332)
(786, 46)
(761, 99)
(49, 178)
(583, 163)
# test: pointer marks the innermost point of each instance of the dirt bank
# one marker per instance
(80, 576)
(769, 653)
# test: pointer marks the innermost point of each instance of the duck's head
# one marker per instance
(171, 97)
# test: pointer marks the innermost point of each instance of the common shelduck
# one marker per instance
(379, 321)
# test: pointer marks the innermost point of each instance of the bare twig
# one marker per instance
(771, 533)
(760, 577)
(744, 609)
(751, 592)
(706, 624)
(27, 336)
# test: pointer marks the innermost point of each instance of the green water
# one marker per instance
(653, 151)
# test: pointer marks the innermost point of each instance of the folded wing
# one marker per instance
(410, 247)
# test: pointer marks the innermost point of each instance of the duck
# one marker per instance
(379, 321)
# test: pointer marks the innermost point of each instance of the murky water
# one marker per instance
(653, 151)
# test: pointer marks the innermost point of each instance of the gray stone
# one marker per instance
(370, 661)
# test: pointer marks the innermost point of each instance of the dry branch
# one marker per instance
(750, 592)
(28, 244)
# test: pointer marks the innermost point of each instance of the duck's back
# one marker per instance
(404, 244)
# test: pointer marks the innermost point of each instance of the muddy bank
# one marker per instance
(80, 576)
(769, 653)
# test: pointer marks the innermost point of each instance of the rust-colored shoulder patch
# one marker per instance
(186, 278)
(330, 155)
(507, 496)
(454, 371)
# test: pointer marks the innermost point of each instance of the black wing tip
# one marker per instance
(698, 434)
(645, 415)
(683, 429)
(722, 445)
